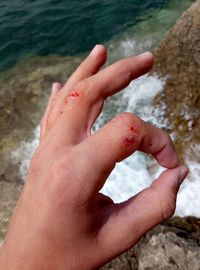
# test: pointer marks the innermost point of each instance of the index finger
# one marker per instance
(119, 139)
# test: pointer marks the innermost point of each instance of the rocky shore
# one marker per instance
(178, 60)
(24, 91)
(172, 245)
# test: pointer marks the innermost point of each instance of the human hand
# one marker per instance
(61, 220)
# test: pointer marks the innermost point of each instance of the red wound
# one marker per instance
(133, 129)
(74, 94)
(129, 140)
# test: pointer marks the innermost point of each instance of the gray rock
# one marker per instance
(170, 246)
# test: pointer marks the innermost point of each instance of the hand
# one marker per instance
(61, 220)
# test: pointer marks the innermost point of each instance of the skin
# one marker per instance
(61, 220)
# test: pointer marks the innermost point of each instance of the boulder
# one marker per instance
(178, 61)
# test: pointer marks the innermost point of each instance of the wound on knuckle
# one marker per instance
(82, 87)
(132, 122)
(131, 129)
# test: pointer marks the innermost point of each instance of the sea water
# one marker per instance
(126, 28)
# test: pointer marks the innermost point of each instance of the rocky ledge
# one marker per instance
(178, 60)
(23, 95)
(170, 246)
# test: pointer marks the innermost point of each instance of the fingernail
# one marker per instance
(56, 87)
(182, 174)
(146, 55)
(95, 50)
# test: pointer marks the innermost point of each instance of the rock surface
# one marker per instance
(9, 193)
(173, 245)
(178, 60)
(24, 91)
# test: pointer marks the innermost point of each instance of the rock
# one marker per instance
(178, 60)
(24, 91)
(168, 251)
(9, 193)
(170, 246)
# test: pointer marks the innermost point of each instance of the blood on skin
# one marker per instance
(74, 94)
(133, 129)
(129, 140)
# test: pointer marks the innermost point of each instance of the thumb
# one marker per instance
(133, 218)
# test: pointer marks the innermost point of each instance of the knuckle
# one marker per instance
(132, 121)
(130, 129)
(83, 86)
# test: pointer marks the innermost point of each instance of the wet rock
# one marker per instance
(178, 60)
(170, 246)
(24, 91)
(9, 193)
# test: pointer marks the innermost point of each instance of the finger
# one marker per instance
(117, 140)
(56, 87)
(83, 105)
(132, 219)
(89, 66)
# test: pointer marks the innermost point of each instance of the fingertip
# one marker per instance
(167, 155)
(145, 62)
(56, 87)
(148, 57)
(99, 49)
(171, 179)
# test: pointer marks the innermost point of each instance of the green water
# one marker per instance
(67, 27)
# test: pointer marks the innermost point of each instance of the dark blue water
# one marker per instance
(63, 27)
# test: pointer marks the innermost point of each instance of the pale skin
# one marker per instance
(62, 221)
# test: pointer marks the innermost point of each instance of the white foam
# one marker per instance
(188, 202)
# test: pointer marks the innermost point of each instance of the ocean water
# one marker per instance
(64, 27)
(126, 28)
(69, 27)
